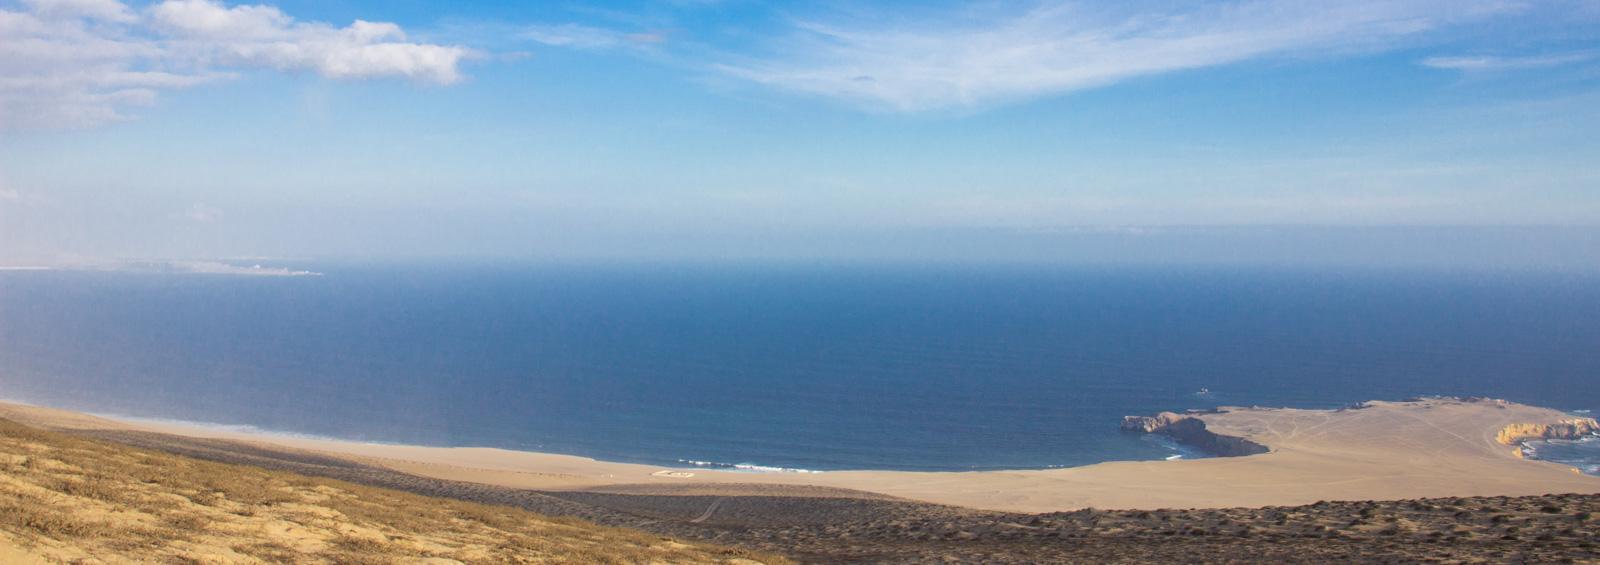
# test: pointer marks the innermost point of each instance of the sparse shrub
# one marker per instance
(271, 552)
(48, 522)
(185, 522)
(360, 545)
(92, 488)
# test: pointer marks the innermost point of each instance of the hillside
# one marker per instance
(65, 498)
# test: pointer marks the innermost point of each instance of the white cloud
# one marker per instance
(1060, 47)
(79, 63)
(1487, 63)
(107, 10)
(209, 19)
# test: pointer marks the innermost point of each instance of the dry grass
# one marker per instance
(64, 498)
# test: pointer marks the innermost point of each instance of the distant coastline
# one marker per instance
(169, 266)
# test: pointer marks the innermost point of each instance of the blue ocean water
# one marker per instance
(818, 367)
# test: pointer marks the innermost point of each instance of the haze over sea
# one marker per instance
(799, 366)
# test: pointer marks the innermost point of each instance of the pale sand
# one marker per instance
(1388, 451)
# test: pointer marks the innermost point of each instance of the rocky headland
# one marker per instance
(1191, 431)
(1190, 428)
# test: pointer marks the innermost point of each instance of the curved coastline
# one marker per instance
(1384, 450)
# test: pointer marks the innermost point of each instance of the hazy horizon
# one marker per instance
(1427, 247)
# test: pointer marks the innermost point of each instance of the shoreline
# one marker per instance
(1383, 450)
(1183, 441)
(1183, 450)
(1186, 444)
(196, 428)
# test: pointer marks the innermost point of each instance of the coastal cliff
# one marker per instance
(1191, 431)
(1572, 428)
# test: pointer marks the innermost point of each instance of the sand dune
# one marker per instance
(1387, 450)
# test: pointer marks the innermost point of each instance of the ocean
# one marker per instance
(787, 366)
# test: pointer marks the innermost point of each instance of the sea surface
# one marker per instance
(797, 366)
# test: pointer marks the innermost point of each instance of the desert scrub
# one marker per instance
(70, 498)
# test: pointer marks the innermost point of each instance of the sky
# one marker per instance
(1263, 129)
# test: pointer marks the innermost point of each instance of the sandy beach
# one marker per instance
(1384, 450)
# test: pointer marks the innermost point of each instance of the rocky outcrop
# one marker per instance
(1150, 424)
(1191, 431)
(1573, 428)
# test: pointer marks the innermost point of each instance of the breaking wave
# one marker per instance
(746, 467)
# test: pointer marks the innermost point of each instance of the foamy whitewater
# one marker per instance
(1583, 453)
(785, 368)
(749, 467)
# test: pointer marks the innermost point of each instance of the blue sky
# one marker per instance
(195, 128)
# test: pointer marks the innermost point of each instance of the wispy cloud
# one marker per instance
(1489, 63)
(77, 63)
(1058, 47)
(203, 213)
(14, 196)
(577, 36)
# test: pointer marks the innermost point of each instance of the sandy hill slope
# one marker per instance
(72, 499)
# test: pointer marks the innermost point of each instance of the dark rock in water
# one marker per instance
(1191, 431)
